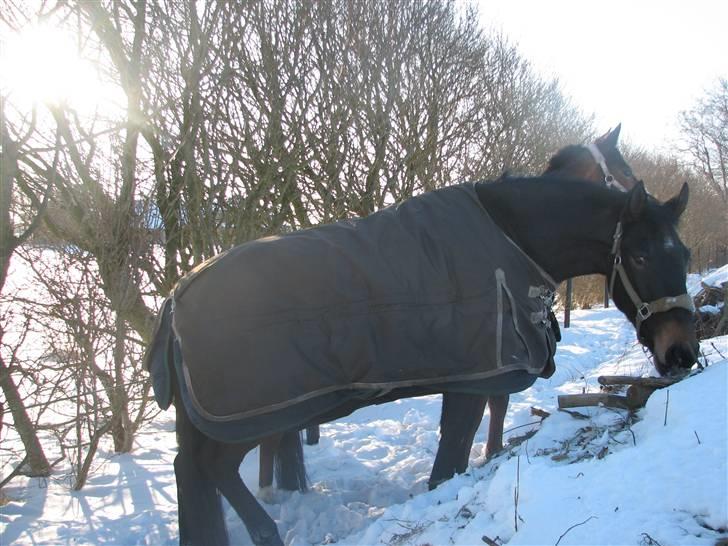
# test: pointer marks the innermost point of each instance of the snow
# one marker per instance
(601, 479)
(716, 277)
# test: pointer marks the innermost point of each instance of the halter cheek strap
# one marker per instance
(644, 309)
(609, 180)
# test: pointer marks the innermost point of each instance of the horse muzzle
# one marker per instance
(675, 347)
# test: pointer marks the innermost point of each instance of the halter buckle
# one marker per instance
(644, 311)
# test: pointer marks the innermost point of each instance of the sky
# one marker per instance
(637, 62)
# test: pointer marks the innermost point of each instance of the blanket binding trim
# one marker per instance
(384, 387)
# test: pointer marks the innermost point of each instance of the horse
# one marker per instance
(629, 237)
(599, 162)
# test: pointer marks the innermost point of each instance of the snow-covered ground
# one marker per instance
(598, 479)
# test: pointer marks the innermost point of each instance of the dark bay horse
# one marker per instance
(628, 237)
(600, 163)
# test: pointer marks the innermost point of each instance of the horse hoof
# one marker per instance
(268, 540)
(267, 494)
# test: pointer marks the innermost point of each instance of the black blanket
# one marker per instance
(425, 296)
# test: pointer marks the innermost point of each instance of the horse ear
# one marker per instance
(610, 138)
(678, 203)
(636, 200)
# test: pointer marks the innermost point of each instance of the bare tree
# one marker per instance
(705, 133)
(24, 198)
(243, 119)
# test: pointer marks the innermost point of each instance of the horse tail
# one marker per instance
(290, 468)
(159, 357)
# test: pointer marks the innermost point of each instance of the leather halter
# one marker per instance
(644, 309)
(609, 180)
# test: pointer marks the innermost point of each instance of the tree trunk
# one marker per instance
(37, 460)
(8, 242)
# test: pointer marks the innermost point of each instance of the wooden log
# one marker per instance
(637, 395)
(654, 382)
(595, 399)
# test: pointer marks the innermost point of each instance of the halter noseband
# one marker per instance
(644, 309)
(609, 180)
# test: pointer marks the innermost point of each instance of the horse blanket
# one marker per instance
(425, 296)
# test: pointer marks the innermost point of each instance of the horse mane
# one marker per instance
(563, 157)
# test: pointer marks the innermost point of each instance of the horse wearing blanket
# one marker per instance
(449, 291)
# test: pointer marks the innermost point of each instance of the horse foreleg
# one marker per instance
(460, 419)
(498, 406)
(290, 468)
(223, 464)
(268, 448)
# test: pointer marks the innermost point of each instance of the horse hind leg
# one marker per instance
(222, 464)
(498, 406)
(313, 435)
(200, 516)
(460, 419)
(199, 504)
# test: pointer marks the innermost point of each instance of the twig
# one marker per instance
(522, 426)
(516, 491)
(575, 414)
(698, 437)
(574, 526)
(647, 540)
(14, 473)
(716, 350)
(489, 541)
(667, 405)
(538, 412)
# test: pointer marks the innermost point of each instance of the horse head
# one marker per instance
(648, 278)
(600, 161)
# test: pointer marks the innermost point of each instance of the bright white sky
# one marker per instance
(637, 62)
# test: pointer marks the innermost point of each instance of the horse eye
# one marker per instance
(639, 261)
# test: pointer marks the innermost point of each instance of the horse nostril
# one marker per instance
(681, 356)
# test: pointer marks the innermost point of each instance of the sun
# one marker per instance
(41, 65)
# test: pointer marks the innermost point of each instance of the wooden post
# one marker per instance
(606, 293)
(696, 262)
(567, 308)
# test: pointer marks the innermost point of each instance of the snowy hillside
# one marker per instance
(589, 479)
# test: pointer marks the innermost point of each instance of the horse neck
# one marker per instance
(564, 226)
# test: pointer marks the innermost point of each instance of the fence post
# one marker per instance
(567, 307)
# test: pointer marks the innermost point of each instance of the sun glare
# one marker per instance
(41, 65)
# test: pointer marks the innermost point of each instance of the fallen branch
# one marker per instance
(639, 391)
(573, 527)
(654, 382)
(647, 540)
(594, 399)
